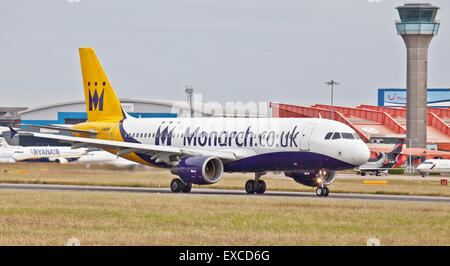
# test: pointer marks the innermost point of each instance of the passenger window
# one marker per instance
(347, 136)
(328, 135)
(356, 136)
(336, 135)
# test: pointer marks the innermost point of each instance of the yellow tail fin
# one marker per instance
(102, 103)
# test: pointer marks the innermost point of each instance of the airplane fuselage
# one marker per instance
(259, 144)
(46, 154)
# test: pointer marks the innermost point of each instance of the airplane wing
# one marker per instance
(160, 153)
(60, 128)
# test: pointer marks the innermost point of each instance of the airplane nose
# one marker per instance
(361, 154)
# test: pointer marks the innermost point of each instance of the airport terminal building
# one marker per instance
(439, 98)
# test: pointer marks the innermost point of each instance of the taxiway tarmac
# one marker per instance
(207, 191)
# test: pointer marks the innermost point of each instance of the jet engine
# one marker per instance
(313, 178)
(60, 160)
(202, 170)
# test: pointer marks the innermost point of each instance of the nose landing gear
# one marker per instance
(322, 190)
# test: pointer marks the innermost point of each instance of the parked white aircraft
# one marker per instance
(6, 153)
(10, 153)
(440, 166)
(200, 150)
(104, 157)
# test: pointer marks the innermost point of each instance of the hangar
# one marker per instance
(74, 112)
(10, 115)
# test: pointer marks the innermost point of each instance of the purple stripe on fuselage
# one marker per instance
(286, 161)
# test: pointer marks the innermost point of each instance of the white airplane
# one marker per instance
(63, 154)
(200, 150)
(104, 157)
(440, 166)
(6, 153)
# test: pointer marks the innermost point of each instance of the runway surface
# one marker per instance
(346, 176)
(206, 191)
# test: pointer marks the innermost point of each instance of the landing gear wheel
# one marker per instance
(322, 191)
(319, 192)
(187, 187)
(261, 187)
(250, 186)
(326, 191)
(176, 185)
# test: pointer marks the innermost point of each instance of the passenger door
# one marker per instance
(306, 136)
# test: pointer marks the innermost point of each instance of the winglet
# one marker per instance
(13, 132)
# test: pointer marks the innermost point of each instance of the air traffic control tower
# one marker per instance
(417, 26)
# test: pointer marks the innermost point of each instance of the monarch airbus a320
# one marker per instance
(200, 150)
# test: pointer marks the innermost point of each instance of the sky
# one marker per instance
(228, 50)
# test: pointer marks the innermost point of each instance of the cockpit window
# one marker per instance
(341, 135)
(347, 136)
(336, 135)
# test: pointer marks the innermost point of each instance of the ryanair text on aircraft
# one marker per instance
(38, 154)
(200, 150)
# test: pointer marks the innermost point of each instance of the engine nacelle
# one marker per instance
(313, 178)
(60, 160)
(202, 170)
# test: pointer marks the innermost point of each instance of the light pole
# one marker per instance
(332, 83)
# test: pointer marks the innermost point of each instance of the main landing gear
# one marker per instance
(256, 186)
(178, 185)
(322, 191)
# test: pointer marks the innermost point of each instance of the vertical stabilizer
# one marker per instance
(102, 103)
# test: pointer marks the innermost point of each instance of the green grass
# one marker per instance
(96, 218)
